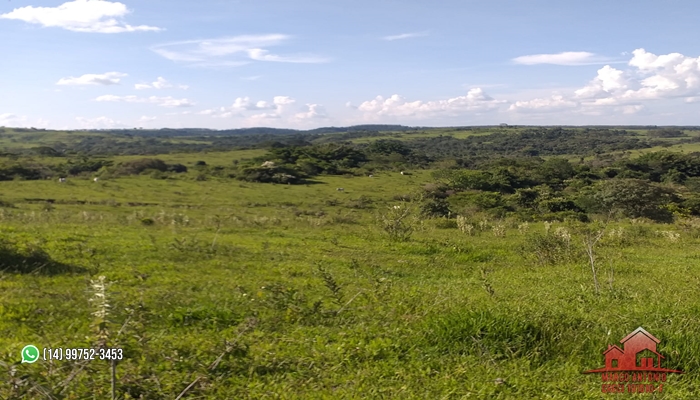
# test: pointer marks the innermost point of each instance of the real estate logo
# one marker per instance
(634, 368)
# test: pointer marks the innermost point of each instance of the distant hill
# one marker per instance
(168, 132)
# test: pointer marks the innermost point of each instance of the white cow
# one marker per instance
(340, 189)
(61, 180)
(371, 176)
(96, 179)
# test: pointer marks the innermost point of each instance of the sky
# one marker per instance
(303, 64)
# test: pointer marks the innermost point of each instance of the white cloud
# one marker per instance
(147, 119)
(609, 80)
(8, 119)
(565, 58)
(263, 55)
(243, 104)
(79, 16)
(649, 77)
(554, 103)
(99, 123)
(315, 111)
(405, 36)
(251, 78)
(283, 100)
(161, 101)
(231, 51)
(396, 106)
(109, 78)
(652, 77)
(160, 83)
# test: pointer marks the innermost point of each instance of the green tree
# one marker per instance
(632, 198)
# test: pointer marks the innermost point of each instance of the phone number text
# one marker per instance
(84, 354)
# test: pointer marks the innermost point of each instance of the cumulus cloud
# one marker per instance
(160, 83)
(244, 104)
(397, 106)
(565, 58)
(231, 51)
(554, 103)
(648, 77)
(109, 78)
(405, 36)
(99, 16)
(607, 81)
(161, 101)
(651, 77)
(315, 111)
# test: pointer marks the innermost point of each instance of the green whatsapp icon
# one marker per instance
(30, 354)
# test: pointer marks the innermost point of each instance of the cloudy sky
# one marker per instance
(308, 63)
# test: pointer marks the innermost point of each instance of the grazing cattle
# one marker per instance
(405, 173)
(340, 189)
(61, 180)
(371, 176)
(96, 179)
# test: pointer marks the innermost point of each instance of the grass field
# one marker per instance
(222, 289)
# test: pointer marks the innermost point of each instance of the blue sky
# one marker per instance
(310, 63)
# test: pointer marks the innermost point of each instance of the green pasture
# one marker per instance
(299, 293)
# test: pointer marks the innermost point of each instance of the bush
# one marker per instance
(270, 175)
(435, 208)
(398, 223)
(632, 198)
(136, 167)
(177, 168)
(547, 249)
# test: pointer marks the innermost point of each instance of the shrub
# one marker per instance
(547, 249)
(177, 168)
(270, 175)
(136, 167)
(436, 208)
(633, 198)
(397, 222)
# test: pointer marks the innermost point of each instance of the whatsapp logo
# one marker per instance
(30, 354)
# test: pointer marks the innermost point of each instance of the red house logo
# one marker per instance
(637, 361)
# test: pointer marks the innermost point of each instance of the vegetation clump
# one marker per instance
(28, 258)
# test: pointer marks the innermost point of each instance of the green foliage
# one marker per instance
(666, 133)
(632, 198)
(221, 296)
(271, 175)
(388, 147)
(493, 335)
(398, 222)
(75, 167)
(547, 249)
(435, 208)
